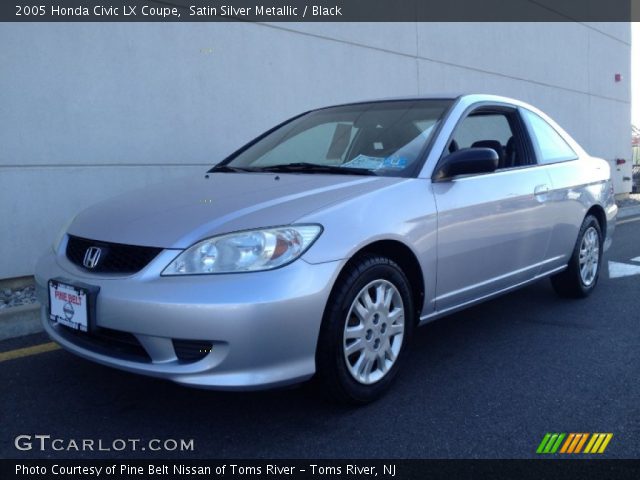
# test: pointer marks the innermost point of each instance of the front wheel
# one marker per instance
(365, 329)
(581, 276)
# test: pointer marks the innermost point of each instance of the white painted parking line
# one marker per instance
(622, 222)
(618, 269)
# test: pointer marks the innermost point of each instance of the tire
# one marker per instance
(579, 281)
(374, 332)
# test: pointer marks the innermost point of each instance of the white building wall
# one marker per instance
(89, 110)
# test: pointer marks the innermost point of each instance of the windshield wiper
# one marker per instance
(305, 167)
(230, 169)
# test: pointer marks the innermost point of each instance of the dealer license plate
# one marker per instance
(69, 305)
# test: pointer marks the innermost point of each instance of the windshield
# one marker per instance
(379, 138)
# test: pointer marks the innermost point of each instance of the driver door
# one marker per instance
(493, 228)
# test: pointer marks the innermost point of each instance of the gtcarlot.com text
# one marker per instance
(48, 443)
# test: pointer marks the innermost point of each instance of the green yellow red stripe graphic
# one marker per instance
(574, 443)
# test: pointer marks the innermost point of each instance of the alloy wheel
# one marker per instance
(374, 331)
(589, 256)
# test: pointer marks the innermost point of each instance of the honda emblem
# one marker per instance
(92, 257)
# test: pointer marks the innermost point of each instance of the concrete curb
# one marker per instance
(20, 321)
(17, 282)
(25, 319)
(625, 212)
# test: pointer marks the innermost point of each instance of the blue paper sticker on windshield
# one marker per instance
(395, 161)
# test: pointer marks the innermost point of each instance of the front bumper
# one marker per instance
(263, 326)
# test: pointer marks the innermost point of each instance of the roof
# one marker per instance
(468, 98)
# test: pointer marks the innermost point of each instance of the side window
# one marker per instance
(491, 129)
(481, 128)
(550, 146)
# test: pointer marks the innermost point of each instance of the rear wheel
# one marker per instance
(366, 326)
(581, 276)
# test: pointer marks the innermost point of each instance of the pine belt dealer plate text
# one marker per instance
(68, 305)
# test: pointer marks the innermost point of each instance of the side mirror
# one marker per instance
(467, 161)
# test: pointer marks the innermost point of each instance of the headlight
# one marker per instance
(248, 251)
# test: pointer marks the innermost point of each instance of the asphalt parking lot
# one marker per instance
(488, 382)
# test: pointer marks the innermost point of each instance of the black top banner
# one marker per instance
(320, 11)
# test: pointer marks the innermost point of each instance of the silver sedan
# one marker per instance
(317, 248)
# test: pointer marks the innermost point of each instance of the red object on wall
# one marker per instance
(618, 77)
(620, 161)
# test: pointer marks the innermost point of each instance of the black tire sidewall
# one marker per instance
(331, 359)
(589, 222)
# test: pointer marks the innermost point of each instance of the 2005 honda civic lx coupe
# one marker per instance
(317, 248)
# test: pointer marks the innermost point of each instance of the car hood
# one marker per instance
(178, 213)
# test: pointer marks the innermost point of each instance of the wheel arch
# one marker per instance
(406, 259)
(598, 212)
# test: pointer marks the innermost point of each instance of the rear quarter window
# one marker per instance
(549, 144)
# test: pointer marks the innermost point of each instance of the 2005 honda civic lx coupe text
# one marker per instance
(317, 248)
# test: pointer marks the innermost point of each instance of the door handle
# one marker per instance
(541, 189)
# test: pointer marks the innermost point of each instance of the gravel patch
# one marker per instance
(17, 296)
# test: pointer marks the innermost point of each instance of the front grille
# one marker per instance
(106, 341)
(189, 351)
(114, 257)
